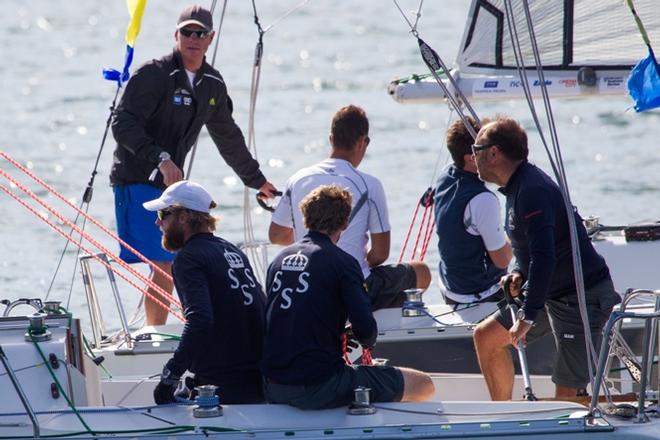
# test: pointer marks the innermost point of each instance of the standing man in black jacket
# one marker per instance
(537, 225)
(223, 303)
(313, 287)
(157, 122)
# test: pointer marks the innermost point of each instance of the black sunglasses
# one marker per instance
(476, 148)
(194, 33)
(367, 140)
(164, 213)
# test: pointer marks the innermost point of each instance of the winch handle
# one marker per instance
(262, 202)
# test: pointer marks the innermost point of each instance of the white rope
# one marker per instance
(250, 245)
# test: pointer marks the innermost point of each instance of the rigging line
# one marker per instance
(193, 150)
(286, 14)
(562, 186)
(435, 63)
(413, 28)
(577, 261)
(522, 73)
(89, 238)
(87, 196)
(95, 222)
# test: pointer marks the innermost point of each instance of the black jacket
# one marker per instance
(159, 111)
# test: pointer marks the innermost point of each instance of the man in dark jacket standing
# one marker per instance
(223, 303)
(157, 122)
(313, 287)
(537, 225)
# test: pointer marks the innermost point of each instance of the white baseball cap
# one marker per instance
(183, 193)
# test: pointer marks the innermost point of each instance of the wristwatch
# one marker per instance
(168, 378)
(163, 156)
(520, 315)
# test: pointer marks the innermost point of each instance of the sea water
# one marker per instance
(323, 56)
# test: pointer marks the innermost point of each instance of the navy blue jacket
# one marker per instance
(465, 266)
(537, 225)
(313, 287)
(224, 305)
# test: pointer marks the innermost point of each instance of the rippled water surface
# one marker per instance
(324, 56)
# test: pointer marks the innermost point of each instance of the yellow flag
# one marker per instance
(135, 10)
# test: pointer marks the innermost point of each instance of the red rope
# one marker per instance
(367, 358)
(89, 238)
(405, 242)
(427, 239)
(81, 246)
(90, 219)
(419, 232)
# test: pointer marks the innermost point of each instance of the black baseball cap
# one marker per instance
(195, 14)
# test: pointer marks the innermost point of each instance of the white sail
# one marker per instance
(586, 47)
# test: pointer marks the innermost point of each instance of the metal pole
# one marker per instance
(120, 305)
(92, 307)
(522, 357)
(19, 391)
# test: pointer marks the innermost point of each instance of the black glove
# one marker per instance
(164, 391)
(351, 342)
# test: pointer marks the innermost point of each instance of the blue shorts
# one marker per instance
(137, 226)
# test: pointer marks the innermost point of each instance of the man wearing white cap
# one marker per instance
(158, 120)
(223, 303)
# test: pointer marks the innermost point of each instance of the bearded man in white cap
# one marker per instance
(223, 303)
(157, 121)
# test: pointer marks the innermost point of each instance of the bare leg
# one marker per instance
(155, 313)
(491, 342)
(422, 273)
(561, 391)
(417, 385)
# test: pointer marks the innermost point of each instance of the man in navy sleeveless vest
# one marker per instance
(474, 252)
(537, 225)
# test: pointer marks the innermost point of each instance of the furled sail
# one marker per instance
(586, 47)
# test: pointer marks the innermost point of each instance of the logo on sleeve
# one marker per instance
(212, 101)
(510, 217)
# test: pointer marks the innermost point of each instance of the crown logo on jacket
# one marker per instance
(235, 260)
(296, 262)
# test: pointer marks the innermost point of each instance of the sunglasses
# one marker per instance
(476, 148)
(194, 33)
(367, 140)
(164, 213)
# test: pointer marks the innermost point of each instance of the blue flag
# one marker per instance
(136, 11)
(644, 83)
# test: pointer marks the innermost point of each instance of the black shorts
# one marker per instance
(562, 317)
(386, 283)
(385, 383)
